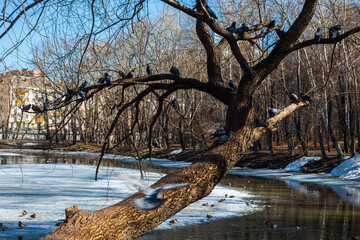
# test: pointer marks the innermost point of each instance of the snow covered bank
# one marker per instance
(47, 189)
(350, 169)
(296, 165)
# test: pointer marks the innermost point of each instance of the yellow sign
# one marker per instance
(40, 120)
(20, 102)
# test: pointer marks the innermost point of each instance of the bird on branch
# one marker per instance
(209, 10)
(175, 71)
(82, 94)
(83, 85)
(130, 74)
(294, 98)
(175, 103)
(36, 109)
(105, 79)
(280, 33)
(69, 94)
(223, 138)
(274, 111)
(122, 74)
(153, 197)
(218, 133)
(305, 98)
(232, 84)
(232, 28)
(261, 123)
(334, 31)
(318, 35)
(26, 108)
(271, 24)
(46, 105)
(148, 69)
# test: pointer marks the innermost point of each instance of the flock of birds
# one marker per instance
(334, 31)
(81, 92)
(223, 136)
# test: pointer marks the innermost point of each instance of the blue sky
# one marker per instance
(21, 56)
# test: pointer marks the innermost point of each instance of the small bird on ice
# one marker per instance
(153, 199)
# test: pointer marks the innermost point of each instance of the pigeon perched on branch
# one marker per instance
(148, 69)
(26, 108)
(175, 103)
(105, 79)
(153, 197)
(318, 35)
(175, 71)
(36, 109)
(274, 111)
(271, 24)
(305, 98)
(280, 33)
(232, 85)
(219, 132)
(232, 28)
(46, 105)
(294, 98)
(130, 74)
(122, 74)
(261, 123)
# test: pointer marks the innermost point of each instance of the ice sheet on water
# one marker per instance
(349, 169)
(9, 154)
(296, 165)
(177, 151)
(155, 161)
(259, 172)
(47, 189)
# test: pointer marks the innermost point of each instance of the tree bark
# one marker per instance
(124, 221)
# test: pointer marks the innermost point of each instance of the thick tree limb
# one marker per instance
(121, 220)
(310, 42)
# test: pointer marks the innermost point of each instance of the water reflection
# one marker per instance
(298, 210)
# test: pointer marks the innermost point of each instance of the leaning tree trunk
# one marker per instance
(124, 221)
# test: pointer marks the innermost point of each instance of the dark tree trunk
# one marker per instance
(318, 127)
(302, 141)
(288, 137)
(331, 133)
(181, 136)
(269, 141)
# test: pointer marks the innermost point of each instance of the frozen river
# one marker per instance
(277, 205)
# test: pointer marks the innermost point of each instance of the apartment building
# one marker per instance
(19, 88)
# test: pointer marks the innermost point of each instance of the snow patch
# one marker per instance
(296, 165)
(350, 169)
(47, 189)
(9, 154)
(177, 151)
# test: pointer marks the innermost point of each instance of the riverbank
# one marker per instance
(250, 159)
